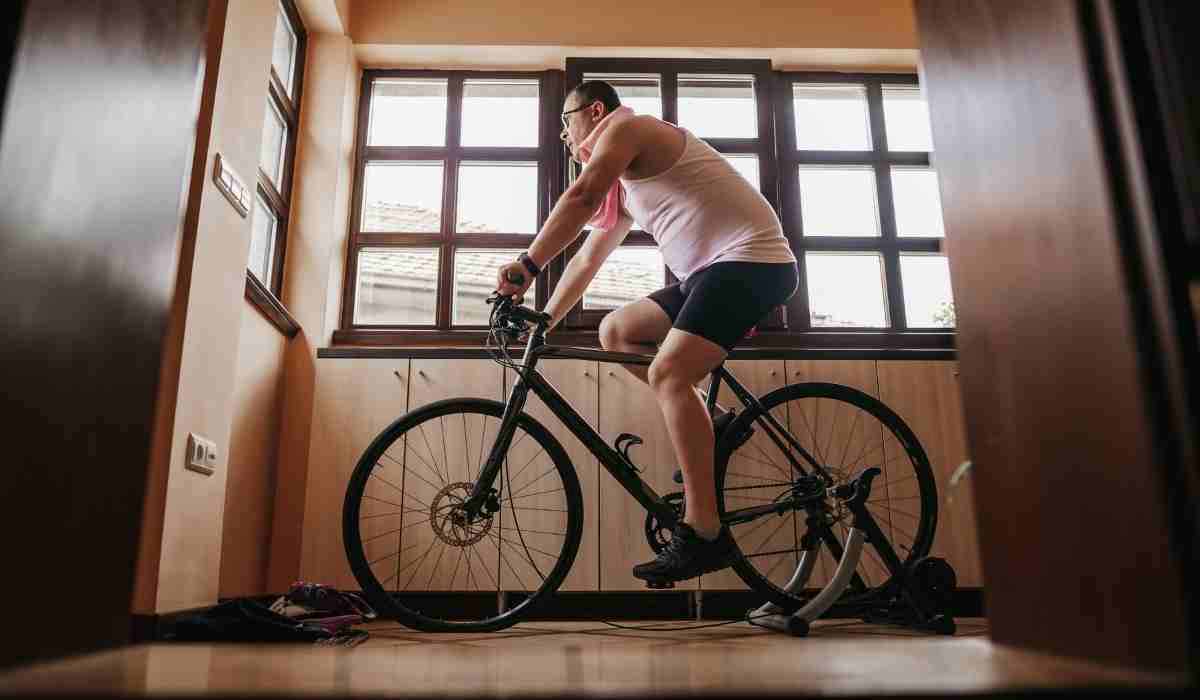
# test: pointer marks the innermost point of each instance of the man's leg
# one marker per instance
(683, 360)
(636, 327)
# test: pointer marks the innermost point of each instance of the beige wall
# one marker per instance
(849, 24)
(190, 559)
(313, 273)
(250, 486)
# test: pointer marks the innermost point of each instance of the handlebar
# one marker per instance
(506, 309)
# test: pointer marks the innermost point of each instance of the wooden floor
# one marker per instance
(550, 659)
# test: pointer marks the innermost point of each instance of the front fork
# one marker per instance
(483, 491)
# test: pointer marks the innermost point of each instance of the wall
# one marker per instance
(851, 24)
(211, 309)
(250, 486)
(314, 271)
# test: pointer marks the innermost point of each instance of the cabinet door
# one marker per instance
(444, 452)
(354, 400)
(926, 395)
(629, 406)
(834, 433)
(756, 479)
(538, 513)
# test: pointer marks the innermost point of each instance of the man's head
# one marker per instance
(585, 106)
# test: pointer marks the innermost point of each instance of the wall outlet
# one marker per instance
(201, 454)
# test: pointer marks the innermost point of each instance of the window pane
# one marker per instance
(271, 158)
(907, 119)
(718, 106)
(629, 274)
(746, 165)
(838, 201)
(475, 280)
(831, 117)
(918, 204)
(404, 197)
(846, 290)
(396, 286)
(283, 54)
(262, 242)
(928, 301)
(408, 112)
(497, 198)
(641, 93)
(500, 113)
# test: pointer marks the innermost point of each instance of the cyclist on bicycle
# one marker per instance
(718, 236)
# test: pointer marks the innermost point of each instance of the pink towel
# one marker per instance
(609, 213)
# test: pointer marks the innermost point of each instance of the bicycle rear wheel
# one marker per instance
(846, 431)
(419, 564)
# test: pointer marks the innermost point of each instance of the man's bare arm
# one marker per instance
(584, 266)
(614, 151)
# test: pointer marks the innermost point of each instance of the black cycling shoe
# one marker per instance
(686, 556)
(720, 423)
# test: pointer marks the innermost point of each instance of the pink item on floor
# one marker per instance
(609, 213)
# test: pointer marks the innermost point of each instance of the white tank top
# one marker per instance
(701, 211)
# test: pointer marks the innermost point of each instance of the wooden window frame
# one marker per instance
(779, 163)
(547, 154)
(266, 294)
(888, 244)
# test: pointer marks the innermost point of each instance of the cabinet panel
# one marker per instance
(927, 397)
(629, 406)
(354, 401)
(440, 455)
(837, 435)
(758, 479)
(576, 381)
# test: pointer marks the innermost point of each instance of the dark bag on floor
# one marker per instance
(244, 620)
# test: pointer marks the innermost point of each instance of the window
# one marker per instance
(453, 179)
(457, 170)
(264, 269)
(861, 202)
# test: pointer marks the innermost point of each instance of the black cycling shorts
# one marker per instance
(725, 300)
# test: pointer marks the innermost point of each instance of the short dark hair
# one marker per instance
(590, 91)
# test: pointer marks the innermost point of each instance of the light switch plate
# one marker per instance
(201, 455)
(231, 185)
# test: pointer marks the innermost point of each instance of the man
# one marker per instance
(717, 234)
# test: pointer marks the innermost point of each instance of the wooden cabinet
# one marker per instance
(833, 433)
(629, 406)
(752, 468)
(927, 397)
(576, 380)
(354, 400)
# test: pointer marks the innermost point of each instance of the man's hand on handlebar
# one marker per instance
(513, 280)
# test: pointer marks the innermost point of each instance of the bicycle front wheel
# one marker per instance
(419, 563)
(846, 431)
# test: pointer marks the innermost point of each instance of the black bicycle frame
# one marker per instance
(528, 379)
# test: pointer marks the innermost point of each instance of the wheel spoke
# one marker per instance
(421, 427)
(530, 495)
(849, 435)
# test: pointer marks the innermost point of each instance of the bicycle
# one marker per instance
(777, 489)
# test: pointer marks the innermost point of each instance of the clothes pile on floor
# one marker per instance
(309, 612)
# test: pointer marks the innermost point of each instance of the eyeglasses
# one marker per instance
(577, 109)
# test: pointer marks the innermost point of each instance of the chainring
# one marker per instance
(658, 535)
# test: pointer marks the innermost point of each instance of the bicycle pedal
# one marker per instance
(660, 585)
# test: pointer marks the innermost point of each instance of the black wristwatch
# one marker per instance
(527, 261)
